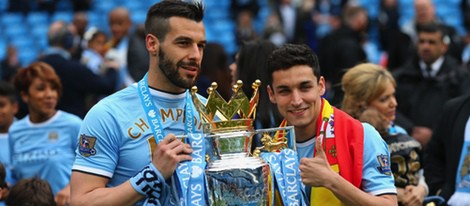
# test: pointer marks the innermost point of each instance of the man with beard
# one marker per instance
(128, 152)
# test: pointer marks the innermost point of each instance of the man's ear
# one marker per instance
(152, 43)
(271, 94)
(322, 85)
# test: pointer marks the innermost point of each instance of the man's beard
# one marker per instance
(170, 70)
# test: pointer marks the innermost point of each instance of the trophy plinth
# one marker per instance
(233, 176)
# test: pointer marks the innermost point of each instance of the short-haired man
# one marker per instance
(342, 160)
(127, 150)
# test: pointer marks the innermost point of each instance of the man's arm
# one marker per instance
(88, 189)
(316, 172)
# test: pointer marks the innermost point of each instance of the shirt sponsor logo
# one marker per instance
(87, 145)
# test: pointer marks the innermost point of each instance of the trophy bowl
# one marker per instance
(233, 176)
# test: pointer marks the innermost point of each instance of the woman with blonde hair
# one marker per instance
(369, 96)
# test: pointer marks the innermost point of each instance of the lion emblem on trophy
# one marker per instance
(270, 144)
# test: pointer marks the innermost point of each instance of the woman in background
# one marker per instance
(369, 95)
(43, 142)
(251, 64)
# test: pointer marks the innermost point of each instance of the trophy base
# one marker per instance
(241, 181)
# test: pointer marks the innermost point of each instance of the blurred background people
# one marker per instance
(80, 23)
(10, 65)
(425, 13)
(251, 64)
(426, 82)
(215, 68)
(390, 34)
(78, 80)
(369, 96)
(126, 47)
(447, 155)
(31, 191)
(8, 110)
(43, 143)
(342, 49)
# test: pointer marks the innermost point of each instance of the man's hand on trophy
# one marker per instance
(168, 153)
(316, 171)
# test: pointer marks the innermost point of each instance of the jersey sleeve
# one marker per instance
(377, 176)
(98, 143)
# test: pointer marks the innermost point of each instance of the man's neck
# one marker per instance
(303, 134)
(160, 82)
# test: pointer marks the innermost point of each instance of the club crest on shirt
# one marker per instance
(384, 164)
(53, 136)
(86, 145)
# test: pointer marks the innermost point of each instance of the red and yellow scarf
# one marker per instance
(344, 146)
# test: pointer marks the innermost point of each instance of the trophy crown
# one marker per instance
(238, 113)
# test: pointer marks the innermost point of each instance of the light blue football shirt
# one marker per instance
(46, 149)
(116, 140)
(373, 180)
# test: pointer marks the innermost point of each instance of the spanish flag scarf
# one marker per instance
(343, 142)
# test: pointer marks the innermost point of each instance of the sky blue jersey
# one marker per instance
(45, 149)
(374, 181)
(116, 140)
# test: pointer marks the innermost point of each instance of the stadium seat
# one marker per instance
(10, 18)
(38, 17)
(62, 16)
(12, 31)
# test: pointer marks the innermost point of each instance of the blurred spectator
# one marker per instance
(244, 12)
(425, 13)
(448, 151)
(426, 81)
(282, 25)
(78, 81)
(251, 64)
(466, 51)
(317, 19)
(93, 55)
(214, 68)
(4, 189)
(80, 22)
(126, 47)
(394, 42)
(50, 134)
(10, 65)
(369, 97)
(93, 58)
(306, 31)
(245, 30)
(31, 191)
(83, 5)
(8, 109)
(238, 6)
(342, 49)
(465, 6)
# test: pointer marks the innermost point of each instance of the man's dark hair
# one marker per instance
(7, 90)
(157, 17)
(291, 55)
(434, 28)
(31, 191)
